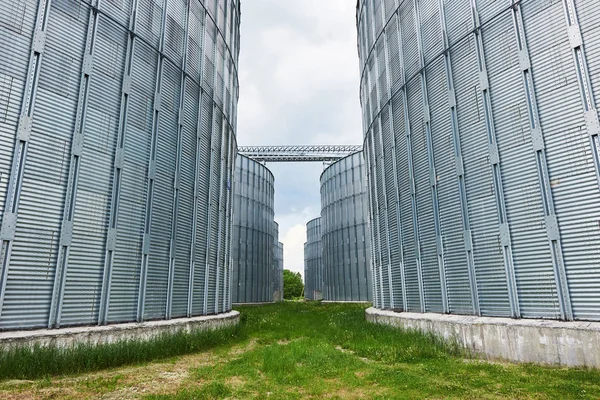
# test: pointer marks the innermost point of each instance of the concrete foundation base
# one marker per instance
(573, 344)
(67, 337)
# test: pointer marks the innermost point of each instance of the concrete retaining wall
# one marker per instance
(525, 340)
(67, 337)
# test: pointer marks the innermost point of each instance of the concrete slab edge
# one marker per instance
(547, 342)
(95, 335)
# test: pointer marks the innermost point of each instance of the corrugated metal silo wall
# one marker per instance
(279, 278)
(313, 261)
(276, 285)
(253, 233)
(481, 140)
(345, 231)
(117, 133)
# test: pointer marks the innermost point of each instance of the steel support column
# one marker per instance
(460, 169)
(431, 162)
(177, 182)
(70, 200)
(111, 235)
(22, 137)
(494, 158)
(201, 117)
(152, 169)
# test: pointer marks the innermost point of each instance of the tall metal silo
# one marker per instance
(481, 140)
(253, 232)
(313, 261)
(278, 278)
(345, 231)
(117, 137)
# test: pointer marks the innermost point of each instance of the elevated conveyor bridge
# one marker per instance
(299, 153)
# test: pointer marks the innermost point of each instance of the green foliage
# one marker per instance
(292, 285)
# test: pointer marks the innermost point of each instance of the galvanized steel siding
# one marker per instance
(108, 127)
(494, 155)
(253, 233)
(345, 231)
(313, 261)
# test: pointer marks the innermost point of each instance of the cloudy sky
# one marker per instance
(299, 80)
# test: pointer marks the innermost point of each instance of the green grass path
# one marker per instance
(312, 350)
(291, 350)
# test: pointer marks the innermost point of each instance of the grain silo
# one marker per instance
(345, 231)
(253, 232)
(313, 261)
(117, 132)
(481, 143)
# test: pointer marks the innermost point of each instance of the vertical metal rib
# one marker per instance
(396, 204)
(431, 162)
(152, 170)
(68, 214)
(460, 169)
(111, 235)
(539, 149)
(212, 166)
(22, 136)
(201, 117)
(176, 184)
(494, 157)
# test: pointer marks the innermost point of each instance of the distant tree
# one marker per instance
(292, 284)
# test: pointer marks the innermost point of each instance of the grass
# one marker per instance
(298, 350)
(42, 362)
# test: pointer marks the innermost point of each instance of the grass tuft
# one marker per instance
(39, 362)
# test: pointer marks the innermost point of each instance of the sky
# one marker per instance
(299, 84)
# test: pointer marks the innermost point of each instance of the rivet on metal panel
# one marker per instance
(24, 130)
(451, 98)
(494, 155)
(126, 84)
(157, 100)
(439, 241)
(524, 60)
(460, 169)
(552, 227)
(537, 139)
(504, 232)
(119, 158)
(111, 239)
(575, 36)
(77, 147)
(591, 121)
(181, 116)
(468, 240)
(152, 170)
(66, 233)
(146, 244)
(9, 224)
(88, 64)
(484, 83)
(39, 41)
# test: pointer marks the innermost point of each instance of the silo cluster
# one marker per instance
(313, 261)
(482, 151)
(345, 231)
(117, 132)
(253, 232)
(277, 273)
